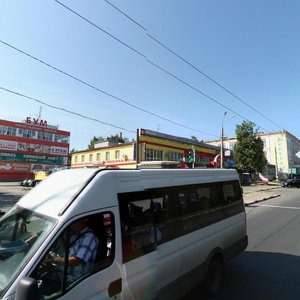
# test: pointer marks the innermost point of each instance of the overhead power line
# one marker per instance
(149, 61)
(65, 110)
(102, 91)
(192, 65)
(99, 28)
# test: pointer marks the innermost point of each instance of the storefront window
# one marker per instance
(154, 154)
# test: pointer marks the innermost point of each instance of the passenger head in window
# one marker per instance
(135, 215)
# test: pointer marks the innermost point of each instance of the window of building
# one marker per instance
(232, 145)
(117, 154)
(91, 157)
(47, 136)
(175, 156)
(98, 157)
(31, 134)
(107, 155)
(7, 130)
(83, 158)
(154, 154)
(61, 138)
(76, 159)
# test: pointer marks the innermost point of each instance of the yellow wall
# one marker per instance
(98, 157)
(159, 143)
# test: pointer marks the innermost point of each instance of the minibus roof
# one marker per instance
(54, 195)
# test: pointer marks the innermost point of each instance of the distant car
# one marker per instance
(23, 182)
(31, 182)
(291, 183)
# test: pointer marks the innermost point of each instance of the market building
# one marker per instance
(29, 146)
(282, 151)
(150, 146)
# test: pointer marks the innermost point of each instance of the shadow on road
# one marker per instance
(259, 276)
(263, 275)
(8, 200)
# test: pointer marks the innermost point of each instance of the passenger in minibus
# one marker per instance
(82, 251)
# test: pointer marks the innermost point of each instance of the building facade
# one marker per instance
(281, 149)
(29, 146)
(152, 146)
(105, 155)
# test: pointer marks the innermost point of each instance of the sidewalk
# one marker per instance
(259, 192)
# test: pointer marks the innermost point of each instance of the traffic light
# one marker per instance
(191, 155)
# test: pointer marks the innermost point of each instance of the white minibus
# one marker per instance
(122, 234)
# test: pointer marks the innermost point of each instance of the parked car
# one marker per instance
(23, 182)
(291, 183)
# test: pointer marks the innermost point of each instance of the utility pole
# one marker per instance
(137, 148)
(194, 157)
(222, 141)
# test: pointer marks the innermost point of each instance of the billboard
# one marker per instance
(33, 158)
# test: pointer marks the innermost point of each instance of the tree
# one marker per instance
(95, 140)
(113, 138)
(249, 154)
(118, 139)
(70, 155)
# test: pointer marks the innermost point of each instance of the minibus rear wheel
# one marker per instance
(214, 277)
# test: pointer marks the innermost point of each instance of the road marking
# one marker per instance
(275, 206)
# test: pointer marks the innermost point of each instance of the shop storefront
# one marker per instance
(26, 147)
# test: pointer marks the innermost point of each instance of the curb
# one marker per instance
(261, 200)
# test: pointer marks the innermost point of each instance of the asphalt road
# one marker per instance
(270, 266)
(10, 193)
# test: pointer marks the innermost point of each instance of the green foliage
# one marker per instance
(94, 141)
(113, 138)
(70, 155)
(249, 154)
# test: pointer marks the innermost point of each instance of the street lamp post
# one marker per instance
(222, 141)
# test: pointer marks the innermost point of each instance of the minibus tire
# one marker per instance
(214, 277)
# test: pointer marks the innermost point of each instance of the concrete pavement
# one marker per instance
(258, 192)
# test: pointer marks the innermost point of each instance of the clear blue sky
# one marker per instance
(249, 47)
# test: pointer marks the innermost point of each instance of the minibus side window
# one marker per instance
(139, 234)
(233, 199)
(83, 248)
(229, 192)
(158, 215)
(168, 215)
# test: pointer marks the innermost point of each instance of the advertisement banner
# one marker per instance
(8, 145)
(32, 158)
(26, 147)
(59, 150)
(14, 167)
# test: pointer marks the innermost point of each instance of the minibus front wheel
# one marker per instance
(214, 277)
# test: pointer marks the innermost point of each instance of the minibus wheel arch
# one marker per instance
(214, 275)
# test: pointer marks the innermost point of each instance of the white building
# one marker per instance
(282, 150)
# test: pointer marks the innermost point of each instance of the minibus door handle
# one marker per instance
(115, 287)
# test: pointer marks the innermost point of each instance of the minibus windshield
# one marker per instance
(21, 234)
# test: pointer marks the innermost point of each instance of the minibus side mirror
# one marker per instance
(27, 289)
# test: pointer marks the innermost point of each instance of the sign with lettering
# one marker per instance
(8, 145)
(36, 121)
(59, 150)
(33, 158)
